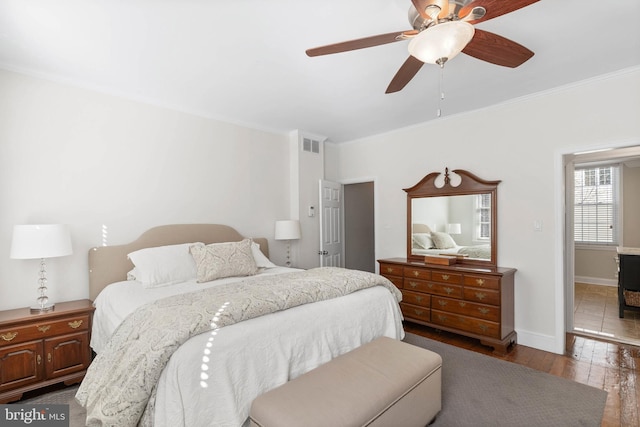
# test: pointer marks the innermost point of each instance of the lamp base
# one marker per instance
(35, 309)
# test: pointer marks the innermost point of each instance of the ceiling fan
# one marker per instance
(441, 30)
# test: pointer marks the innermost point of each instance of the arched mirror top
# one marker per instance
(453, 214)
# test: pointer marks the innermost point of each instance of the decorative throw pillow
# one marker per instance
(220, 260)
(261, 260)
(443, 240)
(163, 265)
(422, 241)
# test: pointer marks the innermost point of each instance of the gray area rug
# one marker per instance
(477, 391)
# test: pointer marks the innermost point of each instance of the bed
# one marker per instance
(212, 373)
(424, 241)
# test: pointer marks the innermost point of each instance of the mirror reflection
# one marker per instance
(452, 225)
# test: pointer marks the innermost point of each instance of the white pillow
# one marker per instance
(422, 241)
(220, 260)
(163, 265)
(443, 240)
(261, 260)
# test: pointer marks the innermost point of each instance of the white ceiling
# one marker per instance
(243, 60)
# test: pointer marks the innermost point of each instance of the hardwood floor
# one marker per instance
(609, 366)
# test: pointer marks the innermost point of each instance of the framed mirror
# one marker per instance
(453, 215)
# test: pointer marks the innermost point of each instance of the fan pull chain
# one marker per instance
(441, 87)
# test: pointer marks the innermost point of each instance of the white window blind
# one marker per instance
(596, 205)
(483, 216)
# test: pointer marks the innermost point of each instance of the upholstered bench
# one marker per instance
(383, 383)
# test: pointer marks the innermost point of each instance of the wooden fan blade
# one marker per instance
(496, 49)
(494, 8)
(404, 75)
(356, 44)
(421, 7)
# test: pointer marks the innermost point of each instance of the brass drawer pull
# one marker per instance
(483, 310)
(75, 324)
(419, 299)
(49, 357)
(430, 285)
(462, 304)
(480, 295)
(416, 273)
(44, 328)
(413, 284)
(389, 270)
(442, 303)
(39, 359)
(480, 282)
(449, 291)
(483, 327)
(442, 318)
(445, 277)
(9, 336)
(418, 312)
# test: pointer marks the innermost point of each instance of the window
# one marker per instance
(596, 205)
(483, 216)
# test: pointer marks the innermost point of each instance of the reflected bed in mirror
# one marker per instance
(453, 215)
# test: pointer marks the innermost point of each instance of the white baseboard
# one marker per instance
(596, 281)
(541, 342)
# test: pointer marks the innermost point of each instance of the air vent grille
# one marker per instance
(311, 145)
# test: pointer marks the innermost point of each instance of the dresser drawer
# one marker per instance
(480, 311)
(415, 312)
(485, 296)
(482, 281)
(446, 277)
(37, 330)
(395, 280)
(469, 324)
(417, 273)
(390, 270)
(416, 298)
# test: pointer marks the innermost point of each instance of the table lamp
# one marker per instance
(288, 230)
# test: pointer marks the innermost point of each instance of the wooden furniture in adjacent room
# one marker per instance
(37, 350)
(628, 280)
(471, 301)
(468, 294)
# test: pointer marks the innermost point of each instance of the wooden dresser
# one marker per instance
(467, 300)
(37, 350)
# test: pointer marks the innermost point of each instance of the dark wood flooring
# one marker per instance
(609, 366)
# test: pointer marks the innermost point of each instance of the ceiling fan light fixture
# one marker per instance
(440, 43)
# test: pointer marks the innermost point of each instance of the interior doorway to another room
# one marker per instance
(591, 279)
(359, 226)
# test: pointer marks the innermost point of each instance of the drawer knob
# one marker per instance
(39, 359)
(44, 328)
(480, 295)
(480, 282)
(75, 324)
(49, 357)
(445, 277)
(9, 336)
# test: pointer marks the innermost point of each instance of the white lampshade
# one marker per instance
(442, 41)
(454, 229)
(40, 241)
(288, 230)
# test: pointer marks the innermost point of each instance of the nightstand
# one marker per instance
(38, 350)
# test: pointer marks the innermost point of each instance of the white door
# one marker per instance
(330, 224)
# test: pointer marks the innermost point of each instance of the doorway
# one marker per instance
(359, 226)
(591, 270)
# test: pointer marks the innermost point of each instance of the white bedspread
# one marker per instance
(251, 357)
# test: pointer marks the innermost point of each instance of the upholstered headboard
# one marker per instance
(109, 264)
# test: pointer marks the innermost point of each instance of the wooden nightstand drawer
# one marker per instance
(35, 330)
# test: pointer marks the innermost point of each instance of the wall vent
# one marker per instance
(311, 145)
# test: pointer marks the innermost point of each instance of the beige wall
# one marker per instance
(91, 160)
(521, 143)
